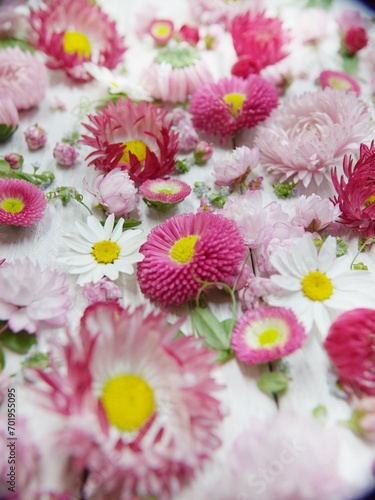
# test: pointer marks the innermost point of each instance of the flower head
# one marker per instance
(355, 191)
(176, 73)
(21, 203)
(23, 78)
(65, 154)
(135, 137)
(265, 334)
(320, 283)
(185, 251)
(164, 194)
(161, 30)
(339, 80)
(188, 33)
(226, 107)
(355, 39)
(102, 290)
(313, 213)
(202, 152)
(139, 405)
(15, 160)
(32, 298)
(97, 251)
(9, 119)
(35, 136)
(234, 167)
(71, 32)
(217, 11)
(351, 345)
(259, 38)
(308, 134)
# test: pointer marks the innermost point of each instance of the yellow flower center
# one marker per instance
(370, 200)
(161, 29)
(165, 191)
(105, 252)
(12, 205)
(235, 102)
(76, 42)
(183, 250)
(137, 148)
(269, 336)
(339, 83)
(128, 401)
(316, 286)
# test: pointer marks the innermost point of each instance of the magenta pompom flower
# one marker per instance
(135, 137)
(164, 194)
(21, 203)
(139, 407)
(267, 333)
(355, 191)
(226, 107)
(185, 251)
(351, 347)
(72, 32)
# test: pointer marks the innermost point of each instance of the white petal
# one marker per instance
(327, 254)
(108, 227)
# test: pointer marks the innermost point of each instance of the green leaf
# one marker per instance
(179, 334)
(6, 131)
(4, 167)
(2, 360)
(18, 342)
(350, 64)
(273, 383)
(360, 266)
(36, 360)
(16, 42)
(128, 223)
(209, 327)
(341, 247)
(224, 356)
(323, 4)
(228, 325)
(320, 413)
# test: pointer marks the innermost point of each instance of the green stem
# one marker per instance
(361, 248)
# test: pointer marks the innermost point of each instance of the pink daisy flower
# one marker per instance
(133, 137)
(139, 406)
(23, 78)
(260, 39)
(176, 73)
(355, 191)
(9, 119)
(309, 133)
(21, 203)
(339, 80)
(231, 104)
(164, 194)
(185, 251)
(31, 298)
(71, 32)
(351, 347)
(161, 30)
(267, 333)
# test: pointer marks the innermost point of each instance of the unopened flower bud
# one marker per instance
(35, 136)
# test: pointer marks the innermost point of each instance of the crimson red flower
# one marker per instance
(351, 347)
(355, 39)
(356, 192)
(245, 66)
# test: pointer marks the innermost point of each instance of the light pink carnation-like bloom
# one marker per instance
(232, 104)
(32, 298)
(265, 334)
(234, 167)
(254, 292)
(101, 291)
(218, 11)
(185, 251)
(349, 18)
(36, 137)
(23, 78)
(202, 152)
(135, 137)
(139, 405)
(21, 203)
(187, 136)
(176, 73)
(65, 154)
(71, 32)
(116, 192)
(313, 213)
(309, 133)
(9, 119)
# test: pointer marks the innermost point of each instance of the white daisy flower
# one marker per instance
(97, 251)
(316, 285)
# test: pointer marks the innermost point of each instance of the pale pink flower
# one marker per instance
(348, 18)
(309, 133)
(13, 14)
(101, 291)
(65, 154)
(313, 213)
(233, 168)
(9, 119)
(35, 136)
(202, 152)
(161, 30)
(32, 298)
(23, 78)
(15, 160)
(187, 136)
(254, 292)
(218, 11)
(116, 192)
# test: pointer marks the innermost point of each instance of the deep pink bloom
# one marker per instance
(143, 442)
(21, 203)
(185, 251)
(71, 32)
(355, 39)
(267, 333)
(35, 136)
(261, 39)
(232, 104)
(188, 33)
(355, 191)
(9, 119)
(351, 347)
(245, 65)
(23, 78)
(339, 80)
(32, 298)
(134, 137)
(65, 154)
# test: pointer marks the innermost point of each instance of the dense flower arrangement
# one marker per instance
(187, 287)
